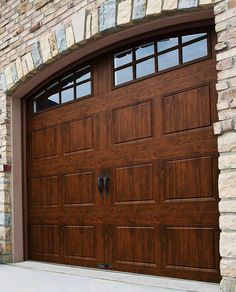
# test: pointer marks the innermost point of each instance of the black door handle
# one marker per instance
(106, 185)
(100, 185)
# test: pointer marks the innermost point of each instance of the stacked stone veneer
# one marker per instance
(34, 33)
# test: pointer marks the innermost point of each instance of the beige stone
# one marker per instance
(228, 222)
(227, 186)
(170, 5)
(228, 269)
(153, 7)
(227, 161)
(228, 244)
(227, 54)
(45, 48)
(94, 26)
(27, 63)
(124, 12)
(227, 206)
(70, 41)
(205, 3)
(19, 68)
(88, 26)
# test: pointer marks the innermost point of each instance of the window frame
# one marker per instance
(60, 88)
(153, 39)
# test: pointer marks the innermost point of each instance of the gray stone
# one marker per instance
(3, 82)
(139, 9)
(228, 285)
(60, 32)
(36, 54)
(14, 73)
(185, 4)
(5, 219)
(107, 15)
(78, 25)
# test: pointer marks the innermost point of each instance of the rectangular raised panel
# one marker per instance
(80, 241)
(190, 247)
(134, 184)
(189, 178)
(44, 192)
(45, 239)
(79, 188)
(44, 143)
(133, 122)
(79, 135)
(135, 245)
(187, 110)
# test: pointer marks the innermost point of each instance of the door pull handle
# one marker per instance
(100, 185)
(106, 185)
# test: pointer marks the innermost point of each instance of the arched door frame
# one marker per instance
(87, 51)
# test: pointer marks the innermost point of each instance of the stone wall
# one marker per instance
(225, 19)
(34, 33)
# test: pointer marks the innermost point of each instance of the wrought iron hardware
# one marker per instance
(106, 185)
(100, 185)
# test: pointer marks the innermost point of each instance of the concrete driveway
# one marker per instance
(41, 278)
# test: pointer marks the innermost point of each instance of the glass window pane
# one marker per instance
(83, 89)
(67, 95)
(144, 51)
(83, 74)
(190, 37)
(53, 100)
(168, 60)
(53, 86)
(123, 75)
(39, 105)
(145, 68)
(68, 80)
(122, 58)
(195, 51)
(166, 44)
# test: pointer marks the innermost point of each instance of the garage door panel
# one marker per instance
(45, 192)
(190, 248)
(79, 189)
(78, 135)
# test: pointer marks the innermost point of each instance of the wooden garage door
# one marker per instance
(138, 123)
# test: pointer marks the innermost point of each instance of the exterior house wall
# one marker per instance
(35, 33)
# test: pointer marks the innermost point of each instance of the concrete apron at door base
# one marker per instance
(34, 35)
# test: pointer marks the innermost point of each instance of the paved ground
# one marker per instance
(17, 279)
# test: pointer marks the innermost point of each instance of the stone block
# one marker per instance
(60, 33)
(228, 244)
(88, 26)
(3, 82)
(139, 9)
(232, 4)
(225, 64)
(187, 4)
(227, 206)
(27, 63)
(227, 284)
(5, 219)
(70, 41)
(154, 7)
(124, 12)
(217, 128)
(36, 54)
(41, 3)
(8, 75)
(45, 48)
(227, 161)
(94, 24)
(107, 15)
(222, 105)
(222, 85)
(78, 25)
(53, 43)
(226, 54)
(227, 186)
(170, 5)
(227, 114)
(228, 222)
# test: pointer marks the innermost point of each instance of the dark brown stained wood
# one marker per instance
(135, 245)
(154, 140)
(133, 183)
(79, 188)
(44, 143)
(190, 247)
(189, 178)
(133, 122)
(80, 242)
(78, 135)
(44, 192)
(45, 240)
(186, 110)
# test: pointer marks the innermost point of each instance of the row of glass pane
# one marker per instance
(167, 57)
(73, 86)
(148, 49)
